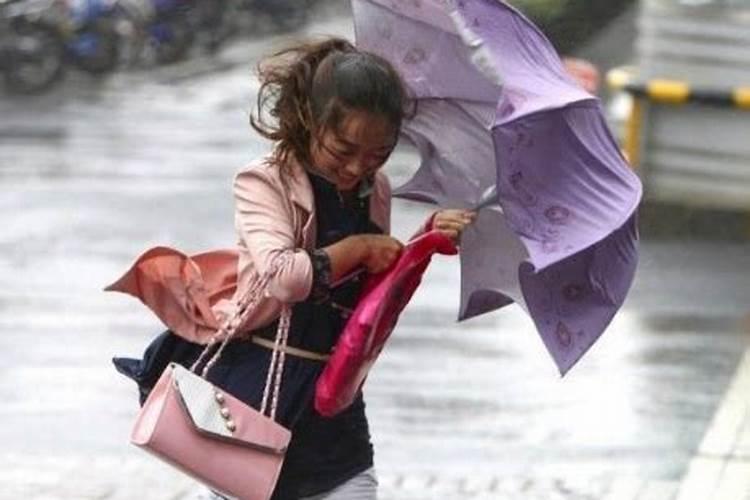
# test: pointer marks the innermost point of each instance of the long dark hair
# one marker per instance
(308, 88)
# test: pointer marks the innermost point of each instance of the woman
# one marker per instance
(334, 114)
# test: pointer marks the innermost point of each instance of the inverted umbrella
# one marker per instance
(501, 127)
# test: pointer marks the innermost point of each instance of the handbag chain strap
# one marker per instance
(277, 360)
(247, 303)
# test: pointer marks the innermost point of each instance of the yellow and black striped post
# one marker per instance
(666, 92)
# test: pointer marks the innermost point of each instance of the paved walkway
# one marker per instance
(721, 468)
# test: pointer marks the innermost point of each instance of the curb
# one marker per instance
(720, 469)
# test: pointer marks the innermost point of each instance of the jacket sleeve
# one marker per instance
(266, 226)
(382, 202)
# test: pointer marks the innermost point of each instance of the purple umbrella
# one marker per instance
(500, 126)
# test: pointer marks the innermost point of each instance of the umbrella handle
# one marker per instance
(489, 197)
(347, 277)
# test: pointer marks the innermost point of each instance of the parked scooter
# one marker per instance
(32, 55)
(168, 29)
(90, 35)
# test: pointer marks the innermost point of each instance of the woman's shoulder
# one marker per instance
(381, 187)
(262, 173)
(270, 169)
(264, 179)
(258, 180)
(380, 202)
(264, 166)
(381, 180)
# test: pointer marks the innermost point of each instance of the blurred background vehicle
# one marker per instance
(31, 48)
(90, 35)
(41, 39)
(685, 103)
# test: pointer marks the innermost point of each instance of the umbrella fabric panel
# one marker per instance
(562, 181)
(533, 76)
(432, 12)
(456, 150)
(490, 255)
(573, 301)
(432, 61)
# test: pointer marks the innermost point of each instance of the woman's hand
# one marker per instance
(451, 222)
(374, 252)
(380, 252)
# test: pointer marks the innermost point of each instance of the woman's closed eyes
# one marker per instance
(345, 154)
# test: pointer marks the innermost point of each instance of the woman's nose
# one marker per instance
(355, 167)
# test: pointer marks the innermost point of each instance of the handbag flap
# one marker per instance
(226, 417)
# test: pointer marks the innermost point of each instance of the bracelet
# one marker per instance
(321, 287)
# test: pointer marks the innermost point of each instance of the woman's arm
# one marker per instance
(266, 228)
(374, 252)
(450, 221)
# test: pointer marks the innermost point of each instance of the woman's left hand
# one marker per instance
(451, 222)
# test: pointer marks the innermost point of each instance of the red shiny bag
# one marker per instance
(383, 297)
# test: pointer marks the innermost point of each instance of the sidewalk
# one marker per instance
(721, 468)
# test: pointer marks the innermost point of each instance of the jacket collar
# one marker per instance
(300, 189)
(301, 193)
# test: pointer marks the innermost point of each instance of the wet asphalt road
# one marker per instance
(96, 172)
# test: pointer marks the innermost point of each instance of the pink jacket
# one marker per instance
(273, 214)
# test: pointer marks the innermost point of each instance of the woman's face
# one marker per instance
(360, 146)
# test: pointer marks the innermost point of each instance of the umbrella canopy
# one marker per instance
(502, 127)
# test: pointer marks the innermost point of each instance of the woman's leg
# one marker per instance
(363, 486)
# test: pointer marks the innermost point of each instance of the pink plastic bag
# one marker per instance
(383, 298)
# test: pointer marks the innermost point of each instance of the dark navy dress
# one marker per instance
(324, 452)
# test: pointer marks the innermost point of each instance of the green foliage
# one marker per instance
(541, 10)
(570, 23)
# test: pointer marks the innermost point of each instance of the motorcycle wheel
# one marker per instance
(35, 60)
(96, 49)
(172, 37)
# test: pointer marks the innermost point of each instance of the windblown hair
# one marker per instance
(308, 89)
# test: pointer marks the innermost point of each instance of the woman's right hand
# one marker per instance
(380, 251)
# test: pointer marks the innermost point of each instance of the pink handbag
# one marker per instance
(210, 435)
